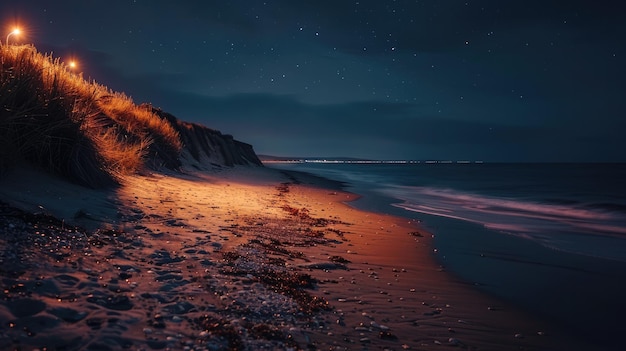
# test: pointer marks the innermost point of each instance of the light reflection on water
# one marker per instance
(592, 232)
(579, 208)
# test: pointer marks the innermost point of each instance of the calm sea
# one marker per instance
(550, 238)
(578, 208)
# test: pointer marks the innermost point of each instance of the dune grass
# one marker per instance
(81, 130)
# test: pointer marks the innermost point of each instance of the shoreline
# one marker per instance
(243, 258)
(454, 287)
(562, 289)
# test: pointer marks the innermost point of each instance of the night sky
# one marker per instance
(493, 80)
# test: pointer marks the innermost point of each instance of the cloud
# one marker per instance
(256, 117)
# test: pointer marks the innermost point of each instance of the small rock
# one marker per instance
(125, 275)
(385, 335)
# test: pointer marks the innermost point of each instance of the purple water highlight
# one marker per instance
(573, 228)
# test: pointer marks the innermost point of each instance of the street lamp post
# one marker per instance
(15, 31)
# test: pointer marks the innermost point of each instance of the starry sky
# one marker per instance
(532, 80)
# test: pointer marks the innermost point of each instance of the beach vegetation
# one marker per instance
(56, 120)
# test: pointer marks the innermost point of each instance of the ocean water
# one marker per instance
(577, 208)
(547, 238)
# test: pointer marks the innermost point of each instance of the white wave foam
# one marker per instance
(482, 202)
(504, 214)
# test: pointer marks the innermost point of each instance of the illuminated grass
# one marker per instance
(81, 130)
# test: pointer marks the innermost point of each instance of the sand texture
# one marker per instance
(240, 259)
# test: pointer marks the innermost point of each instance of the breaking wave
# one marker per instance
(582, 228)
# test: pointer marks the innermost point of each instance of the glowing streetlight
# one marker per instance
(16, 31)
(72, 64)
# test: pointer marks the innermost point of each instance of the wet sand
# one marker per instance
(249, 258)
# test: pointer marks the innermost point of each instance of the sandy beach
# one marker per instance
(247, 258)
